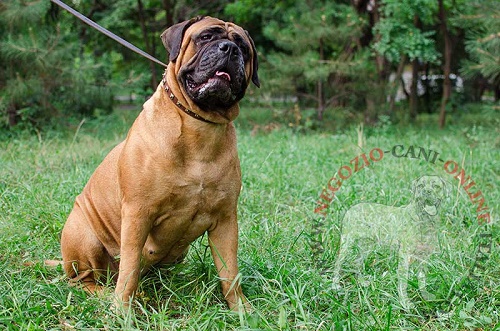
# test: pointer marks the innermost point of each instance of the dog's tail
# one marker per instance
(52, 263)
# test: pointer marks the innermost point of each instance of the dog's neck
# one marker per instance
(418, 215)
(179, 105)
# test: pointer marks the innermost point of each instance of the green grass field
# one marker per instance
(286, 250)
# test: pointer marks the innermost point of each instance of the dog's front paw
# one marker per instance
(336, 287)
(119, 306)
(427, 296)
(240, 305)
(406, 304)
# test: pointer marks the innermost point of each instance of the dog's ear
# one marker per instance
(446, 188)
(173, 36)
(255, 63)
(414, 184)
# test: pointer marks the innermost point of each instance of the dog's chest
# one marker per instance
(193, 203)
(198, 193)
(206, 185)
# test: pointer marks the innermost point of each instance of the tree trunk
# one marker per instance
(382, 67)
(320, 94)
(149, 50)
(427, 89)
(12, 114)
(393, 91)
(414, 90)
(378, 91)
(414, 79)
(370, 115)
(321, 101)
(447, 65)
(168, 6)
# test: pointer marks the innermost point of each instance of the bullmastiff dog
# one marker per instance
(176, 175)
(410, 228)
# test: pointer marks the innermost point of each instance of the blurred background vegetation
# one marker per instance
(374, 61)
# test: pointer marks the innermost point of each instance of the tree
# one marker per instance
(451, 26)
(43, 74)
(316, 44)
(326, 53)
(401, 37)
(483, 44)
(447, 52)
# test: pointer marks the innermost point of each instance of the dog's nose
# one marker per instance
(228, 47)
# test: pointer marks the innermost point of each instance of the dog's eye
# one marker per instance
(206, 37)
(244, 50)
(242, 46)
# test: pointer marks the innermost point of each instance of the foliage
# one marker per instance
(44, 76)
(324, 54)
(399, 35)
(316, 47)
(483, 41)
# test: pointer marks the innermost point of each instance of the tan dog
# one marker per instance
(176, 175)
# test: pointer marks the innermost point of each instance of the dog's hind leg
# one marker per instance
(422, 283)
(85, 260)
(345, 244)
(403, 274)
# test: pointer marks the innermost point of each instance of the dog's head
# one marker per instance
(213, 63)
(428, 193)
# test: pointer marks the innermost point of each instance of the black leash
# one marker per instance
(107, 32)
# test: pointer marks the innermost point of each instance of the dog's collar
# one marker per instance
(180, 105)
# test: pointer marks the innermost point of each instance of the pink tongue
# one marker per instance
(223, 74)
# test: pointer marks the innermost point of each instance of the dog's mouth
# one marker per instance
(223, 75)
(430, 206)
(220, 77)
(430, 210)
(217, 89)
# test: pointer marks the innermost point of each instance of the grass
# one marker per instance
(285, 249)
